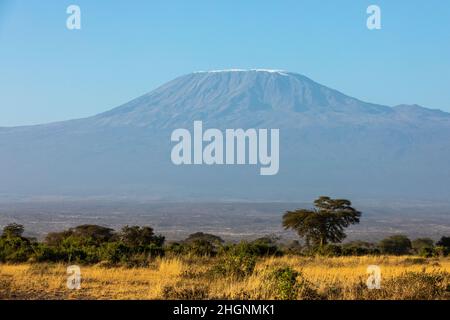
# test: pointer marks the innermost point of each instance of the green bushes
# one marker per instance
(86, 244)
(201, 248)
(137, 246)
(202, 244)
(359, 248)
(397, 245)
(265, 246)
(13, 247)
(444, 246)
(237, 261)
(284, 283)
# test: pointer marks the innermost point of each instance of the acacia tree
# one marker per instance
(323, 224)
(136, 236)
(13, 230)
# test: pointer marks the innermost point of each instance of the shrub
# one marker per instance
(284, 283)
(423, 247)
(359, 248)
(201, 248)
(440, 251)
(44, 253)
(13, 230)
(444, 243)
(329, 250)
(398, 244)
(114, 252)
(15, 249)
(425, 252)
(237, 261)
(175, 248)
(265, 246)
(294, 247)
(213, 239)
(136, 236)
(287, 284)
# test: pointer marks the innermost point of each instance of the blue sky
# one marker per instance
(127, 48)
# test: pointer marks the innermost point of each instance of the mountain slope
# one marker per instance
(330, 144)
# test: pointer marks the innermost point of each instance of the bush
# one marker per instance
(398, 245)
(201, 248)
(423, 247)
(44, 253)
(329, 250)
(294, 247)
(176, 248)
(440, 251)
(213, 239)
(136, 236)
(444, 243)
(265, 246)
(426, 252)
(114, 252)
(284, 283)
(237, 261)
(13, 230)
(359, 248)
(15, 249)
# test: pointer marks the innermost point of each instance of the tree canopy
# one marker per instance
(323, 224)
(213, 239)
(13, 230)
(139, 236)
(396, 244)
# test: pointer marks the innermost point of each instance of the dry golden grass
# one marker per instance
(190, 278)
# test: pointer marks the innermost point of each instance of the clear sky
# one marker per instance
(128, 48)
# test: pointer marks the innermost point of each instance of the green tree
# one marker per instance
(85, 234)
(203, 244)
(201, 248)
(98, 234)
(136, 236)
(323, 224)
(56, 238)
(13, 246)
(444, 242)
(213, 239)
(266, 246)
(397, 244)
(443, 246)
(13, 230)
(423, 246)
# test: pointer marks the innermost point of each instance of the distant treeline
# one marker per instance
(322, 228)
(137, 246)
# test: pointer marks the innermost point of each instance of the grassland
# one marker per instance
(403, 277)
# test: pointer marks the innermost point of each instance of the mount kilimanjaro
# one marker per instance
(330, 144)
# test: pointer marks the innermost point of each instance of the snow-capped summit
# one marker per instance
(282, 72)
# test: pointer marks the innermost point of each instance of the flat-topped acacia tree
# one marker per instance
(325, 223)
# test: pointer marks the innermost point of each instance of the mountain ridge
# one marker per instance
(371, 107)
(330, 143)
